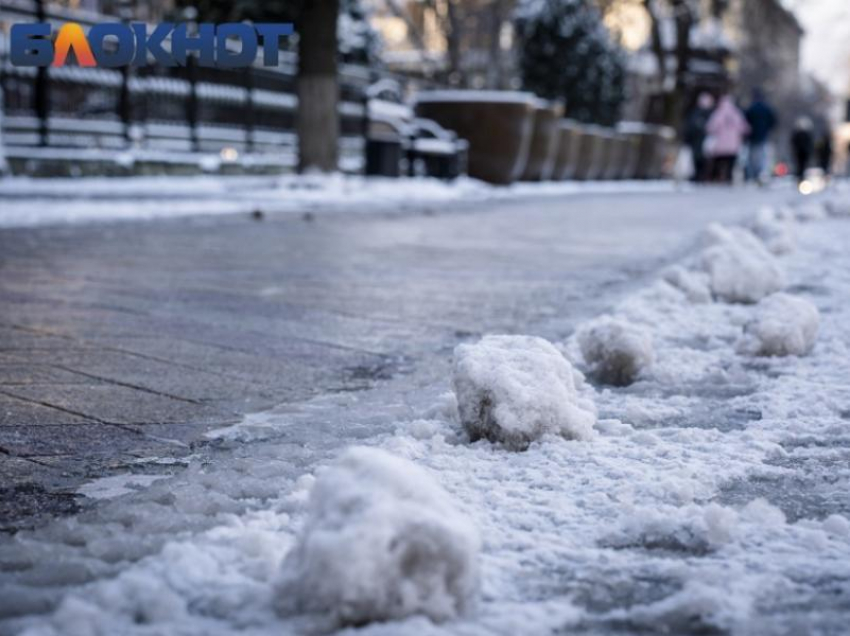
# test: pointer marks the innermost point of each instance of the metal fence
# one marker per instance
(168, 111)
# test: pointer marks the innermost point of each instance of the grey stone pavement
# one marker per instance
(126, 341)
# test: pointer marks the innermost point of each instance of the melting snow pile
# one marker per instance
(776, 231)
(740, 268)
(783, 325)
(615, 350)
(382, 541)
(695, 285)
(516, 389)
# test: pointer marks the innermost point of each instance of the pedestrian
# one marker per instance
(802, 145)
(695, 134)
(726, 128)
(825, 151)
(3, 165)
(762, 120)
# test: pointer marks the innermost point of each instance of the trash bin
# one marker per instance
(616, 157)
(647, 147)
(603, 154)
(497, 124)
(629, 166)
(544, 142)
(568, 146)
(590, 154)
(383, 156)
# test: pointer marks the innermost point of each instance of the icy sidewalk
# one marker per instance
(713, 496)
(34, 202)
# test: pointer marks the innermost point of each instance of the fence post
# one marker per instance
(41, 95)
(125, 106)
(192, 103)
(125, 110)
(249, 109)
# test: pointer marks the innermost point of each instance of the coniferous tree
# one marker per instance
(566, 54)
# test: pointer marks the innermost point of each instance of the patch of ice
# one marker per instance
(516, 389)
(382, 541)
(117, 485)
(783, 325)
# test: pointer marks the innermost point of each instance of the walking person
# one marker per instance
(762, 120)
(695, 133)
(727, 127)
(802, 146)
(824, 152)
(3, 165)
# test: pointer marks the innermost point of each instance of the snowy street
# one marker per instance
(171, 389)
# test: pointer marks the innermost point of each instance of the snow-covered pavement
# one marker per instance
(26, 202)
(712, 495)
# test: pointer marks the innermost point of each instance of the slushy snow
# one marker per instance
(615, 351)
(516, 389)
(382, 541)
(740, 268)
(714, 498)
(783, 325)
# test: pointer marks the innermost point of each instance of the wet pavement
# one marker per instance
(130, 340)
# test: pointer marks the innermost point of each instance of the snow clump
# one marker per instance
(616, 351)
(783, 325)
(739, 267)
(808, 212)
(516, 389)
(776, 233)
(839, 208)
(382, 541)
(694, 285)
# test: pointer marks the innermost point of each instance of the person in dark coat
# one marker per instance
(825, 152)
(802, 145)
(695, 133)
(762, 120)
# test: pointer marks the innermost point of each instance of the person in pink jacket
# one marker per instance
(727, 129)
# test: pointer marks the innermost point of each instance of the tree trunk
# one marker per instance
(684, 23)
(656, 43)
(318, 88)
(496, 17)
(454, 33)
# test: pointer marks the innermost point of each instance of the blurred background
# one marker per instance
(606, 89)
